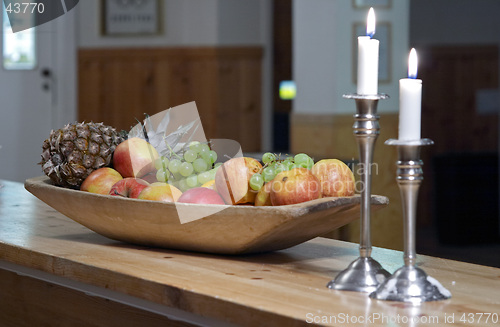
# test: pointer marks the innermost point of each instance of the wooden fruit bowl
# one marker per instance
(234, 230)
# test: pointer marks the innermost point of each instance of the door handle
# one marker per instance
(46, 72)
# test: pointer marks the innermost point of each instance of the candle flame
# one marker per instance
(412, 64)
(370, 24)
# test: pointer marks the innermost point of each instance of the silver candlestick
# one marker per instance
(409, 283)
(364, 274)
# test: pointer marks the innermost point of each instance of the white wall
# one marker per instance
(197, 23)
(186, 22)
(242, 22)
(324, 47)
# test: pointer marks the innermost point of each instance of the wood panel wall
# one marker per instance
(118, 86)
(452, 76)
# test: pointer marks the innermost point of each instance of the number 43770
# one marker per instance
(25, 8)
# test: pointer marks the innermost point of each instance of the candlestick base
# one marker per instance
(363, 275)
(410, 284)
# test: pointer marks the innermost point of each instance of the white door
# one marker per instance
(32, 97)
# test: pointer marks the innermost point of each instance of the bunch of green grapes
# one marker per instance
(192, 168)
(273, 165)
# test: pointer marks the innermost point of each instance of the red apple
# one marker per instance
(294, 186)
(134, 158)
(335, 177)
(160, 192)
(263, 198)
(101, 180)
(202, 195)
(129, 187)
(231, 180)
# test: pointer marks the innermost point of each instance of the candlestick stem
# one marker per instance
(366, 130)
(364, 274)
(410, 283)
(409, 178)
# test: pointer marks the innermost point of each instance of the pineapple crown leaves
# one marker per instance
(166, 144)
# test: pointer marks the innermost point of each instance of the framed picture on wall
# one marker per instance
(371, 3)
(131, 17)
(383, 34)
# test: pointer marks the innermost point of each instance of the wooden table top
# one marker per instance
(284, 288)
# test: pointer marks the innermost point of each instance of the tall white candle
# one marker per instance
(368, 50)
(410, 101)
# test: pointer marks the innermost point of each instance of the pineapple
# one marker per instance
(71, 153)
